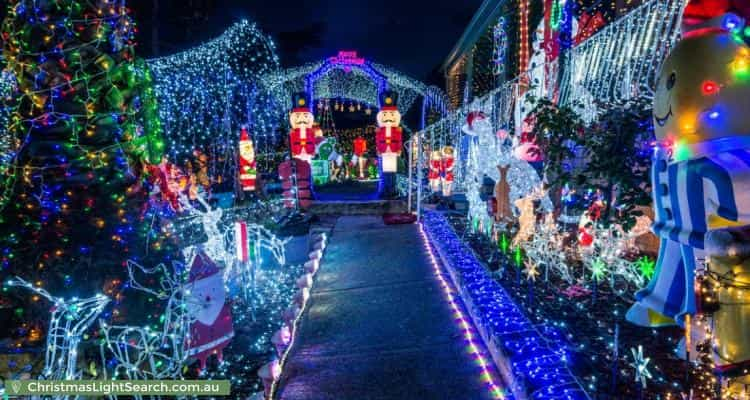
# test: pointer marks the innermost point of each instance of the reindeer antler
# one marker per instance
(20, 282)
(168, 283)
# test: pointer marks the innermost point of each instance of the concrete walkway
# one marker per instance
(378, 325)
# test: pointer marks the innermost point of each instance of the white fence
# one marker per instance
(618, 63)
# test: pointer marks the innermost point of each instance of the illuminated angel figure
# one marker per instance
(69, 320)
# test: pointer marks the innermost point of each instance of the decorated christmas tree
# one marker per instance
(82, 125)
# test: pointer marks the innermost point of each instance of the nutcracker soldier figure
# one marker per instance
(302, 136)
(388, 141)
(248, 170)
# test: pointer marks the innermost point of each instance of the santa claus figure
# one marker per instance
(206, 303)
(447, 165)
(436, 164)
(248, 170)
(388, 141)
(302, 136)
(360, 148)
(476, 124)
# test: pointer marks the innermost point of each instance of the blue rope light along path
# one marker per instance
(534, 358)
(384, 323)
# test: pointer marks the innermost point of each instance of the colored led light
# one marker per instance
(532, 353)
(486, 375)
(709, 88)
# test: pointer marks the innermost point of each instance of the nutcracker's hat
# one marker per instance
(300, 102)
(389, 101)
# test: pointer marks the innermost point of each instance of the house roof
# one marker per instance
(488, 12)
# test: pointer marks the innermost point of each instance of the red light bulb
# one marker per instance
(709, 88)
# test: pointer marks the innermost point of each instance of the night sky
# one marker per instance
(414, 36)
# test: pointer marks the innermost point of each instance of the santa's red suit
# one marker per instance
(302, 142)
(248, 171)
(212, 328)
(388, 140)
(448, 165)
(436, 166)
(585, 238)
(360, 146)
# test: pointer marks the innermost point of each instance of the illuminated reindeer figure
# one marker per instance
(142, 352)
(546, 250)
(527, 217)
(69, 320)
(259, 238)
(215, 247)
(222, 239)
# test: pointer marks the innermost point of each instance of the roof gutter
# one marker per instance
(488, 11)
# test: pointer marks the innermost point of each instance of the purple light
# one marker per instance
(486, 374)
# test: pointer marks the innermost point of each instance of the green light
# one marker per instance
(681, 152)
(503, 243)
(598, 269)
(518, 257)
(646, 267)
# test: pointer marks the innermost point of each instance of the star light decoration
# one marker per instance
(646, 267)
(640, 364)
(598, 269)
(500, 38)
(531, 271)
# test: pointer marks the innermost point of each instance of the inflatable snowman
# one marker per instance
(701, 184)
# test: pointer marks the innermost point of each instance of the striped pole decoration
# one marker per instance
(242, 244)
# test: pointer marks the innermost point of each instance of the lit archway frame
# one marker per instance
(346, 61)
(348, 76)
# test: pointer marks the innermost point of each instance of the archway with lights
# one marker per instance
(345, 90)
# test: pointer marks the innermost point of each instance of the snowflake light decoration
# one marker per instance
(598, 269)
(646, 267)
(640, 364)
(531, 271)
